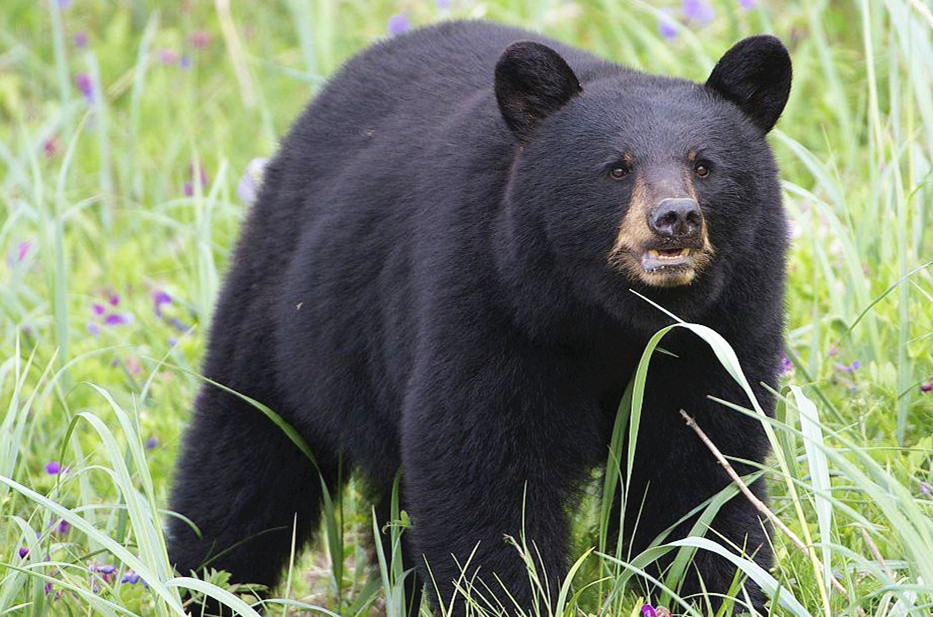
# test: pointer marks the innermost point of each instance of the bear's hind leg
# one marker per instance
(245, 485)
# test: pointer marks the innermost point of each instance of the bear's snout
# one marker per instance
(677, 219)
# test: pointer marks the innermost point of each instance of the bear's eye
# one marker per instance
(619, 171)
(701, 169)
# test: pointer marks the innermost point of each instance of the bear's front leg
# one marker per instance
(483, 470)
(675, 472)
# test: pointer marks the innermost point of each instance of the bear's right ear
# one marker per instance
(532, 82)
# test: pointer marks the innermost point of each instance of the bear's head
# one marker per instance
(638, 181)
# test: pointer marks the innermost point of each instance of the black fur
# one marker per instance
(421, 287)
(532, 82)
(755, 75)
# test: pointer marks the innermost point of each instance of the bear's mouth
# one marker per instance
(653, 260)
(670, 266)
(663, 266)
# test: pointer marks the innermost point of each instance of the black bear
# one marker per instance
(438, 278)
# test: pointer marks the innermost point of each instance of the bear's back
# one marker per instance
(381, 120)
(407, 90)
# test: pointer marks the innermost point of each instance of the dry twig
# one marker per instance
(759, 505)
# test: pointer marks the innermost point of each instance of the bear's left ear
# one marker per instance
(755, 75)
(532, 82)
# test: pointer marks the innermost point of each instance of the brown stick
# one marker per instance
(876, 553)
(759, 505)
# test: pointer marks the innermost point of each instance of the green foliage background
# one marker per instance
(107, 199)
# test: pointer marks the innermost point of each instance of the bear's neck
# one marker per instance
(536, 292)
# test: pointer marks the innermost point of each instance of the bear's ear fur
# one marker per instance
(755, 75)
(532, 82)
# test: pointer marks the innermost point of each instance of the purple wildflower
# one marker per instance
(99, 310)
(133, 366)
(848, 368)
(48, 588)
(167, 57)
(172, 341)
(667, 27)
(80, 40)
(925, 489)
(202, 179)
(184, 63)
(50, 146)
(786, 365)
(159, 298)
(927, 387)
(117, 319)
(23, 249)
(747, 4)
(63, 527)
(398, 24)
(648, 611)
(248, 188)
(152, 443)
(105, 570)
(64, 4)
(53, 468)
(23, 552)
(698, 11)
(178, 324)
(200, 39)
(130, 577)
(85, 85)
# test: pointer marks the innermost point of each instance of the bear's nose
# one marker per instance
(676, 218)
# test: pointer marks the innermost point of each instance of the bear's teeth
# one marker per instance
(671, 254)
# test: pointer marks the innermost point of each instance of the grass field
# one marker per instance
(125, 128)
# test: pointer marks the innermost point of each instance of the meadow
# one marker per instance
(126, 131)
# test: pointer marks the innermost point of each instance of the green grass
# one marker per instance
(93, 199)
